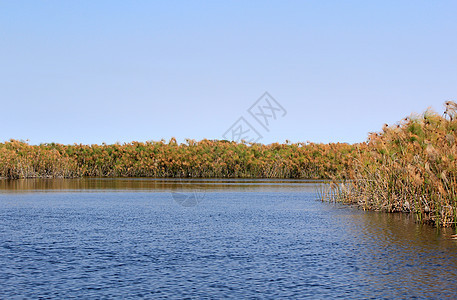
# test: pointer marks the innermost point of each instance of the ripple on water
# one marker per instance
(275, 242)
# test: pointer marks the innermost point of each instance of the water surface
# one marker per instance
(103, 238)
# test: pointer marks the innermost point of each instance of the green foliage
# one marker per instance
(192, 159)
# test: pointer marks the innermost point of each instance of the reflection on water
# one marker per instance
(106, 238)
(151, 184)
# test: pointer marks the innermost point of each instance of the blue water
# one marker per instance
(269, 241)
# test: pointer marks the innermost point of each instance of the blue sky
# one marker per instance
(121, 71)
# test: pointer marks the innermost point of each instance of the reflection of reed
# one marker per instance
(85, 184)
(199, 186)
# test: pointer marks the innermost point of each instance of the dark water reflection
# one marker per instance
(151, 184)
(244, 239)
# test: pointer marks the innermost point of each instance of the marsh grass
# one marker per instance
(408, 167)
(203, 159)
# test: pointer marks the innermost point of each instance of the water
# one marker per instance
(107, 238)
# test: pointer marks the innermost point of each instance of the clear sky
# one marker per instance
(121, 71)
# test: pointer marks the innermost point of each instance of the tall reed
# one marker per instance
(205, 158)
(409, 167)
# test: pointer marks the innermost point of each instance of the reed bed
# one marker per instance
(407, 167)
(161, 159)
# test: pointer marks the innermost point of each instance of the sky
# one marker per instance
(120, 71)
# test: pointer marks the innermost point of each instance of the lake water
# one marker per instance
(109, 238)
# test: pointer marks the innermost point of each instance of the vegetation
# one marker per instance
(193, 159)
(407, 167)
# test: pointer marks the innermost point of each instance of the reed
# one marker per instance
(409, 167)
(191, 159)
